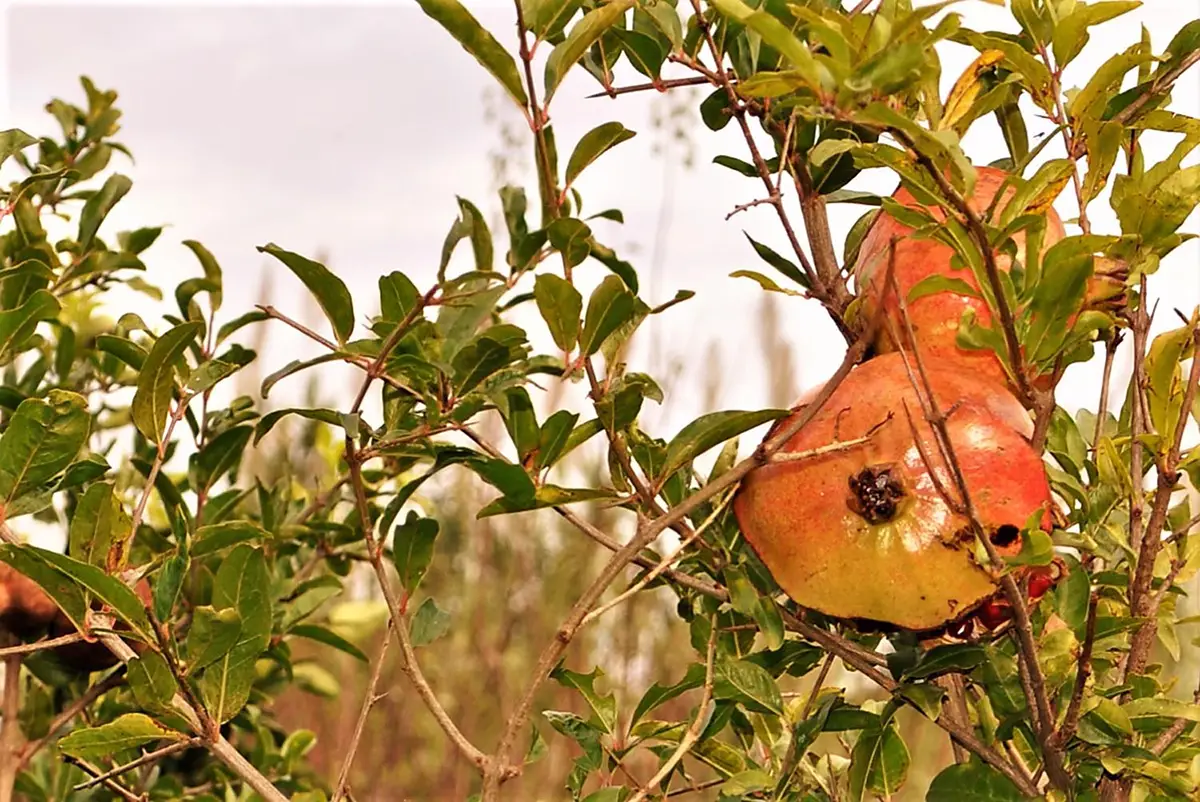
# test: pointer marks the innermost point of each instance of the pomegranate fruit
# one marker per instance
(25, 609)
(863, 532)
(935, 317)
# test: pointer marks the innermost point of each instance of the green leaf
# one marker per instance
(329, 290)
(412, 549)
(748, 684)
(879, 763)
(521, 421)
(776, 261)
(151, 680)
(267, 422)
(582, 36)
(92, 526)
(610, 305)
(931, 285)
(98, 206)
(127, 731)
(1152, 707)
(329, 638)
(17, 325)
(157, 379)
(13, 140)
(547, 18)
(169, 583)
(776, 35)
(659, 694)
(766, 283)
(545, 496)
(206, 376)
(941, 659)
(605, 707)
(926, 697)
(220, 455)
(709, 431)
(1165, 390)
(972, 782)
(1089, 101)
(479, 42)
(560, 304)
(553, 436)
(1037, 548)
(217, 537)
(429, 623)
(212, 271)
(41, 440)
(212, 635)
(241, 583)
(594, 144)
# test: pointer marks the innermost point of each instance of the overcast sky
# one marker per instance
(351, 130)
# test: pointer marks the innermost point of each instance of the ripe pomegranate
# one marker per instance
(25, 609)
(863, 532)
(935, 318)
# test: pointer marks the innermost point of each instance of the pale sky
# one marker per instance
(350, 129)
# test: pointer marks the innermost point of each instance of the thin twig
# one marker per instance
(1083, 671)
(991, 270)
(1161, 84)
(40, 645)
(370, 698)
(199, 721)
(662, 566)
(10, 727)
(1031, 671)
(145, 759)
(109, 783)
(409, 665)
(661, 85)
(692, 735)
(1110, 351)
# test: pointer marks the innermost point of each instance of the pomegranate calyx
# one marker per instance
(875, 493)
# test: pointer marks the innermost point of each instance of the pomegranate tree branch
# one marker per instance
(696, 728)
(39, 645)
(370, 698)
(1163, 83)
(991, 270)
(199, 720)
(147, 758)
(409, 663)
(1083, 672)
(1143, 601)
(10, 727)
(824, 277)
(650, 531)
(1031, 672)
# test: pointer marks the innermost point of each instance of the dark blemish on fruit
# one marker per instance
(1004, 535)
(875, 494)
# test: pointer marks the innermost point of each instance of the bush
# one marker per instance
(195, 586)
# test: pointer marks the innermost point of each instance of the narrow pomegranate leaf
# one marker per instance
(157, 380)
(709, 431)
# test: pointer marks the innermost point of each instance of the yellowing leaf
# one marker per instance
(966, 89)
